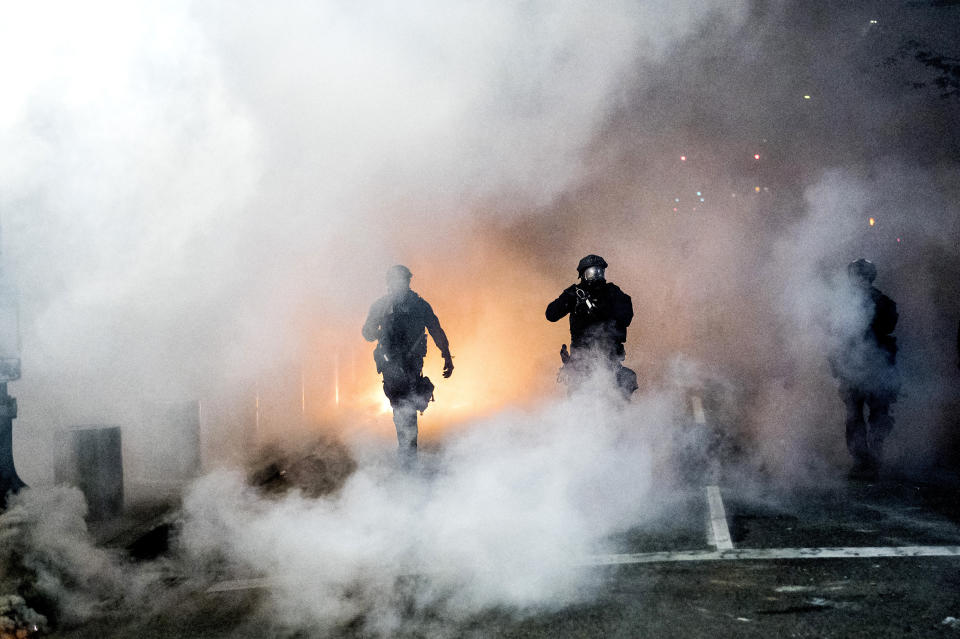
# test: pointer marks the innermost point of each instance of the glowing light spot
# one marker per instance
(698, 194)
(675, 209)
(872, 221)
(898, 240)
(701, 199)
(756, 156)
(683, 158)
(676, 199)
(385, 406)
(806, 97)
(873, 22)
(756, 189)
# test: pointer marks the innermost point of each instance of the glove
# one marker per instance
(447, 366)
(584, 300)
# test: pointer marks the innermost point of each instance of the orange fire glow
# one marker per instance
(505, 352)
(490, 299)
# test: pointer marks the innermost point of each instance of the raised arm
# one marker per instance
(559, 307)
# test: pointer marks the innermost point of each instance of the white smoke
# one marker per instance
(515, 506)
(185, 177)
(48, 551)
(799, 416)
(188, 177)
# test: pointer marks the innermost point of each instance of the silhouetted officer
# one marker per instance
(599, 316)
(865, 365)
(397, 322)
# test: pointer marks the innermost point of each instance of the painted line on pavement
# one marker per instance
(718, 533)
(698, 415)
(855, 552)
(232, 585)
(741, 554)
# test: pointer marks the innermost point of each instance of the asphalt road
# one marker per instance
(767, 579)
(675, 595)
(850, 559)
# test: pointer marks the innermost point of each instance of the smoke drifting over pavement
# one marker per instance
(203, 198)
(517, 504)
(48, 554)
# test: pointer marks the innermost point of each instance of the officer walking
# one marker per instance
(864, 363)
(396, 322)
(599, 316)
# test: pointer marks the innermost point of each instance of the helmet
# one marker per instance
(862, 269)
(588, 261)
(398, 277)
(398, 272)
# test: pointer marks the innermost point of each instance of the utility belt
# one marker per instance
(385, 356)
(578, 363)
(404, 382)
(402, 376)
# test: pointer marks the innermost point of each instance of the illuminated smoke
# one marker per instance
(513, 508)
(205, 197)
(203, 200)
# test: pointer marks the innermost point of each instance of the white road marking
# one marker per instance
(856, 552)
(241, 584)
(741, 554)
(698, 415)
(718, 534)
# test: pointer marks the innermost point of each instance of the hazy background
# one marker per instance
(199, 201)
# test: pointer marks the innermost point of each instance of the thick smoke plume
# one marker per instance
(205, 198)
(204, 201)
(515, 507)
(202, 198)
(48, 555)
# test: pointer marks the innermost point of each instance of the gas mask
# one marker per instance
(593, 274)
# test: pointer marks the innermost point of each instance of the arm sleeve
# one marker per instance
(623, 312)
(371, 327)
(432, 323)
(561, 306)
(885, 319)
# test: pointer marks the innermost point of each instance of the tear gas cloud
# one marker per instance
(203, 200)
(47, 551)
(517, 505)
(508, 519)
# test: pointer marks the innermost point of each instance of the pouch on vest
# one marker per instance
(423, 394)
